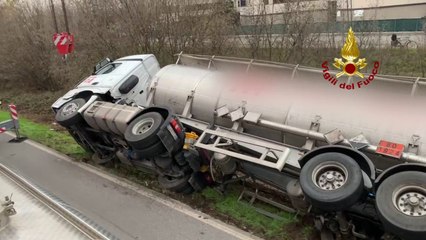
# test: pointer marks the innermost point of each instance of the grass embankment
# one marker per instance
(281, 228)
(47, 135)
(226, 207)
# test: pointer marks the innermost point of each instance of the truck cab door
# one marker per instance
(139, 93)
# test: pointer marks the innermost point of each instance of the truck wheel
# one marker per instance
(142, 131)
(80, 142)
(331, 181)
(152, 151)
(179, 185)
(401, 203)
(68, 114)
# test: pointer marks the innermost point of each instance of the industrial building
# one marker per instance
(385, 15)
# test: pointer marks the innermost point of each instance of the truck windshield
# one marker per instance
(108, 68)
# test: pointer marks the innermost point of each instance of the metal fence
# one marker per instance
(390, 25)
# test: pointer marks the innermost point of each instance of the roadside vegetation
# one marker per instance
(115, 28)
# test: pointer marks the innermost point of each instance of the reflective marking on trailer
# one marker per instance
(390, 149)
(172, 132)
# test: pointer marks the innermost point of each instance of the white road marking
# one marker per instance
(155, 196)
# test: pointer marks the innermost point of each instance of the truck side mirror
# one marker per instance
(101, 64)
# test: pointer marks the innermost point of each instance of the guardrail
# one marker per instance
(92, 231)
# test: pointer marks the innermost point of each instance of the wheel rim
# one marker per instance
(410, 200)
(69, 109)
(143, 126)
(330, 176)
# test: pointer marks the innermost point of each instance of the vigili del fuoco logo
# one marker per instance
(349, 66)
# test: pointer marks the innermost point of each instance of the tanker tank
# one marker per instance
(381, 110)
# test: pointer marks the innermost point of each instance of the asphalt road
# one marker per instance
(125, 210)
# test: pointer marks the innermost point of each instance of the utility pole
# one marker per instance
(55, 23)
(65, 16)
(348, 14)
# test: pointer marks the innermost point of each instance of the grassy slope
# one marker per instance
(227, 207)
(44, 134)
(241, 210)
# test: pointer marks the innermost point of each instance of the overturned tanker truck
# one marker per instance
(353, 159)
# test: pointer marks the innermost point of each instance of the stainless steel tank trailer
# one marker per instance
(353, 160)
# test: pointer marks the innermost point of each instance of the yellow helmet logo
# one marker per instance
(350, 52)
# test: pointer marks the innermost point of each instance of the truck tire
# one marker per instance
(332, 181)
(142, 131)
(179, 185)
(68, 114)
(401, 204)
(152, 151)
(82, 144)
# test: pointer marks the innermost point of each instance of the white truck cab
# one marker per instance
(126, 79)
